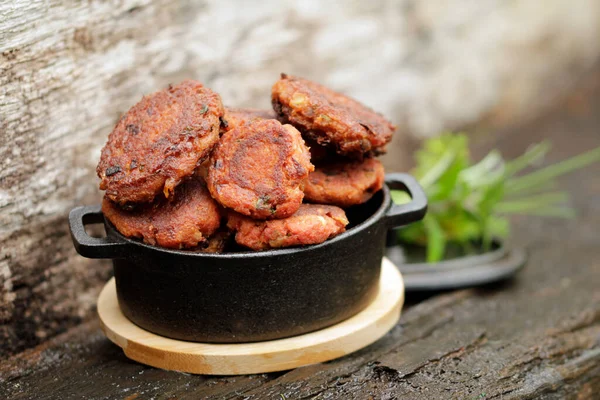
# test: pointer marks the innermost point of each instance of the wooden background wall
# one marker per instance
(69, 69)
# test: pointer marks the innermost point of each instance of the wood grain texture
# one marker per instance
(69, 69)
(533, 338)
(253, 358)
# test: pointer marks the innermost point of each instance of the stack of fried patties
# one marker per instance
(181, 171)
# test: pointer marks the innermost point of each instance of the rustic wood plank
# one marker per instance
(535, 337)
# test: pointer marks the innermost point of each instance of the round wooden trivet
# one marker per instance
(252, 358)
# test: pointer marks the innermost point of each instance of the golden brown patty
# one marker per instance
(234, 116)
(311, 224)
(159, 142)
(259, 169)
(183, 222)
(331, 118)
(218, 242)
(344, 184)
(320, 153)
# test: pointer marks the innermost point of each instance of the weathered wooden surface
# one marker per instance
(535, 337)
(68, 69)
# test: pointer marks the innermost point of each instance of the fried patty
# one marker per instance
(344, 184)
(159, 142)
(320, 153)
(330, 118)
(234, 116)
(185, 221)
(217, 243)
(259, 169)
(311, 224)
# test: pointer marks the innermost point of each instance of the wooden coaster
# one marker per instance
(253, 358)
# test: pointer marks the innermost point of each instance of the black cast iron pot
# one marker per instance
(251, 296)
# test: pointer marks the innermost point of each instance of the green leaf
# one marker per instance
(532, 202)
(436, 240)
(533, 155)
(553, 211)
(439, 163)
(555, 170)
(413, 234)
(438, 169)
(494, 227)
(483, 200)
(461, 226)
(435, 148)
(489, 169)
(531, 189)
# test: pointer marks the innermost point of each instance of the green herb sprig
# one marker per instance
(469, 203)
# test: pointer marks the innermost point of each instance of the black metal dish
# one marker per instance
(251, 296)
(498, 264)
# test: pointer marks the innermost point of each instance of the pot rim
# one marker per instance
(115, 245)
(373, 219)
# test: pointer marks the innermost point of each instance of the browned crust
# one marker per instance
(311, 224)
(330, 118)
(319, 153)
(234, 116)
(344, 184)
(218, 242)
(159, 142)
(259, 169)
(186, 221)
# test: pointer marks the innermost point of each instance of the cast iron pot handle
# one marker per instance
(403, 214)
(92, 247)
